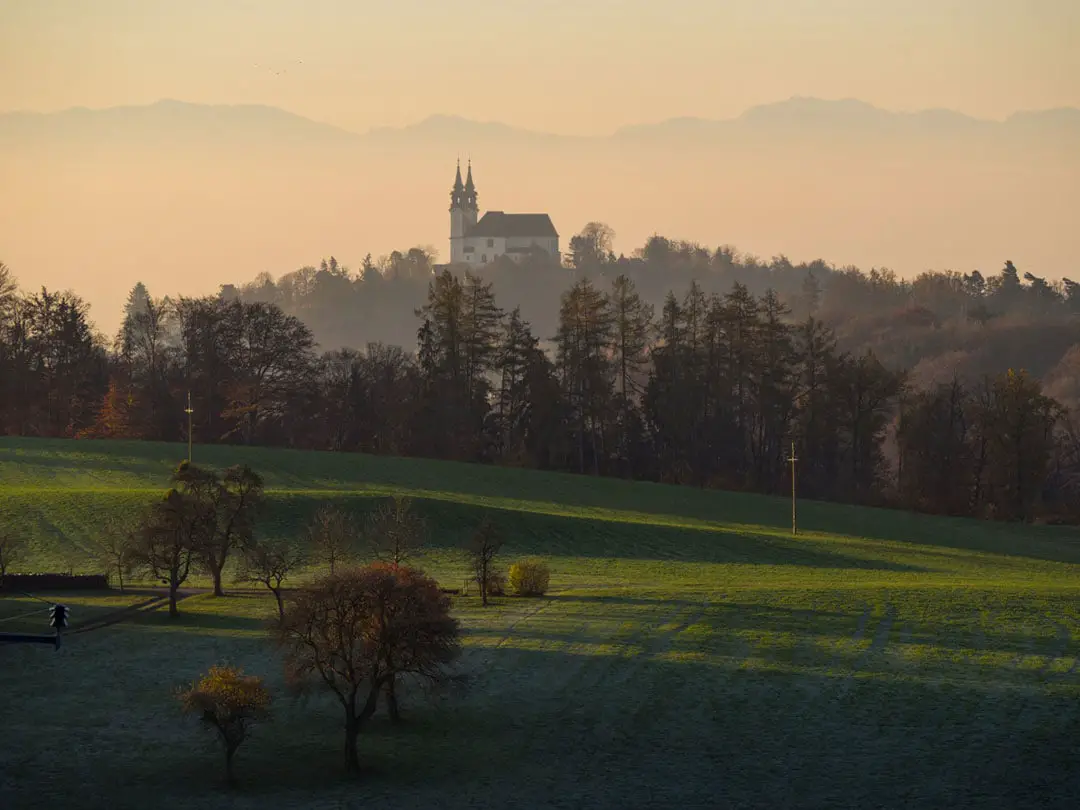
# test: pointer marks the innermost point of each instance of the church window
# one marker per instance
(483, 258)
(491, 243)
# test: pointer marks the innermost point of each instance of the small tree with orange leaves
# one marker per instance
(114, 420)
(230, 703)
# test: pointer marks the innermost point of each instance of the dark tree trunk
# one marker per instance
(392, 704)
(354, 722)
(352, 754)
(371, 703)
(173, 586)
(280, 603)
(352, 731)
(230, 778)
(215, 572)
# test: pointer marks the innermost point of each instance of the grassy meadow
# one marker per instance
(691, 653)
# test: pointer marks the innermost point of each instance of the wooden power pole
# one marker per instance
(189, 412)
(794, 516)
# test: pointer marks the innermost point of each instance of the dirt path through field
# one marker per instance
(156, 598)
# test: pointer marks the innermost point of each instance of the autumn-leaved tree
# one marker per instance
(230, 703)
(354, 632)
(114, 420)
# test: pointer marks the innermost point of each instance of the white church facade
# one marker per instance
(479, 241)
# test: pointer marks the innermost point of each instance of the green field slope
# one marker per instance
(691, 653)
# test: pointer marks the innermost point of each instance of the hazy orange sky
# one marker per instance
(97, 217)
(574, 66)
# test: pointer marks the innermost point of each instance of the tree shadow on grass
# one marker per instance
(201, 620)
(591, 538)
(725, 619)
(32, 454)
(154, 461)
(610, 733)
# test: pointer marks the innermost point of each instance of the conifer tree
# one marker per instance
(585, 332)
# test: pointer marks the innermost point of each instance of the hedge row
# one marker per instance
(54, 582)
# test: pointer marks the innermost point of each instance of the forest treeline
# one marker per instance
(936, 326)
(711, 385)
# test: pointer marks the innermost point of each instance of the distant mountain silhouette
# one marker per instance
(800, 115)
(170, 120)
(456, 127)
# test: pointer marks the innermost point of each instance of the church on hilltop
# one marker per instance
(496, 233)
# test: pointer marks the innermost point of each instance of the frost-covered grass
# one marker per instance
(689, 654)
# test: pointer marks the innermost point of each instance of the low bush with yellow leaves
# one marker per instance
(529, 577)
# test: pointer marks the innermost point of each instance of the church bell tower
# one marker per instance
(463, 213)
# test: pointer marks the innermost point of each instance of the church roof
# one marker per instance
(497, 223)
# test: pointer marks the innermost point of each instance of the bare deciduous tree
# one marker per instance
(485, 544)
(167, 541)
(333, 535)
(270, 564)
(395, 532)
(118, 550)
(229, 505)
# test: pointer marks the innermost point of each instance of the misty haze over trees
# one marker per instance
(677, 364)
(184, 196)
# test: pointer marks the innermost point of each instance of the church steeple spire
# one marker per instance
(463, 215)
(470, 190)
(457, 194)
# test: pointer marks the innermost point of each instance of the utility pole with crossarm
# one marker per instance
(794, 522)
(189, 412)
